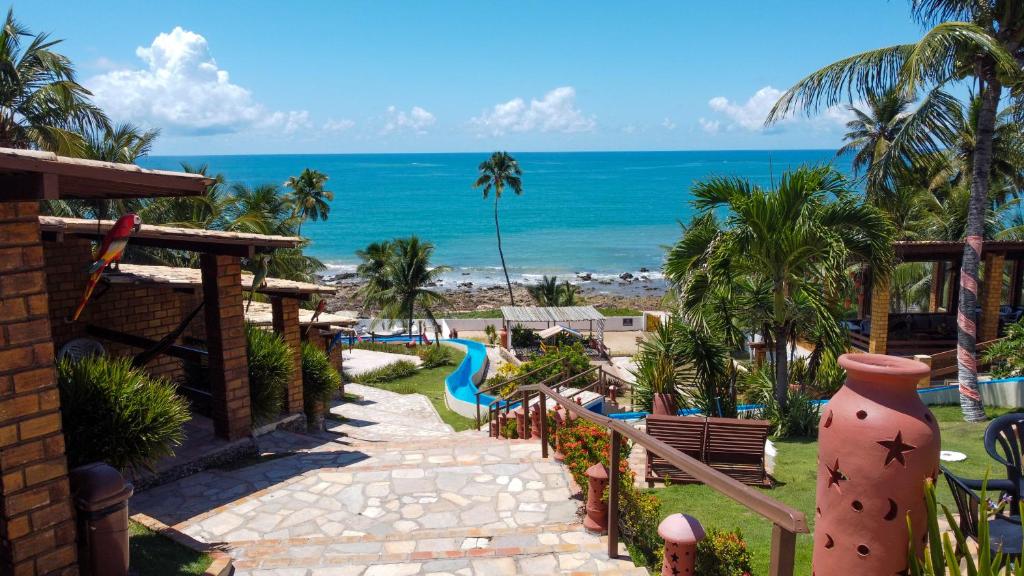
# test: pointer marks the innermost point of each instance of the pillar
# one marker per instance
(286, 324)
(37, 530)
(991, 297)
(935, 294)
(1015, 283)
(878, 341)
(225, 344)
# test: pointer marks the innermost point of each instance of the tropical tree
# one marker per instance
(403, 285)
(41, 104)
(499, 171)
(259, 209)
(308, 198)
(799, 238)
(872, 131)
(978, 40)
(550, 293)
(372, 269)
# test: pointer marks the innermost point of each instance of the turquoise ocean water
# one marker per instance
(599, 212)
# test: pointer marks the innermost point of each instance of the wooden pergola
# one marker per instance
(533, 316)
(934, 330)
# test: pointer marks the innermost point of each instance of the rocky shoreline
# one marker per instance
(626, 292)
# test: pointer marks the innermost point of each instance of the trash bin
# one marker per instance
(101, 496)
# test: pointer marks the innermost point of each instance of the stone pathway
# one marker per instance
(401, 494)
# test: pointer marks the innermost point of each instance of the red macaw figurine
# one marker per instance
(111, 250)
(320, 306)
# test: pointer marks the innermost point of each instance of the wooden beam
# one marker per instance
(175, 350)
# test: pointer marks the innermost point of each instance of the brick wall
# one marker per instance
(147, 311)
(991, 297)
(286, 324)
(225, 327)
(878, 342)
(37, 532)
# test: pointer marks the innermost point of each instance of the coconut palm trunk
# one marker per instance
(781, 367)
(501, 253)
(966, 353)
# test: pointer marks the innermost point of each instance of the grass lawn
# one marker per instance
(612, 311)
(430, 383)
(155, 555)
(795, 469)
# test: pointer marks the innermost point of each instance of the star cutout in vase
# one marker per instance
(835, 476)
(896, 447)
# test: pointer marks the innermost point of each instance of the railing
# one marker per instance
(559, 381)
(944, 363)
(506, 383)
(787, 522)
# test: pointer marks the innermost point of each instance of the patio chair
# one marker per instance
(1004, 442)
(1004, 530)
(735, 447)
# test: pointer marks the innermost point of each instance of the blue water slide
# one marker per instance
(460, 383)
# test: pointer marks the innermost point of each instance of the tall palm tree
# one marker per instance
(309, 199)
(374, 261)
(406, 283)
(800, 238)
(259, 209)
(979, 40)
(550, 293)
(872, 130)
(41, 104)
(497, 172)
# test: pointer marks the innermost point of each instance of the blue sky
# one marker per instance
(380, 76)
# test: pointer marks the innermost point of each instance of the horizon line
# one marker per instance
(759, 150)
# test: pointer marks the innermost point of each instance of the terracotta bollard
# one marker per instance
(521, 430)
(877, 443)
(597, 510)
(560, 421)
(681, 533)
(535, 421)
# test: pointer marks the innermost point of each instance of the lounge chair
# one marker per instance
(684, 433)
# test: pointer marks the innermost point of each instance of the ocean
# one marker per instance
(600, 213)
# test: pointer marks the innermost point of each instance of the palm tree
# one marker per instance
(309, 199)
(41, 104)
(259, 209)
(799, 238)
(375, 259)
(497, 172)
(980, 40)
(550, 293)
(405, 282)
(871, 132)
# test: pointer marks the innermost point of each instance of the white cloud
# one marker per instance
(556, 112)
(342, 125)
(750, 115)
(709, 126)
(182, 89)
(668, 124)
(416, 120)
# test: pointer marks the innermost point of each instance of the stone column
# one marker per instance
(878, 342)
(286, 324)
(991, 297)
(225, 342)
(37, 530)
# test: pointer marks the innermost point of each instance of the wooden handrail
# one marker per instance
(787, 522)
(503, 384)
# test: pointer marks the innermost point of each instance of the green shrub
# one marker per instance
(434, 356)
(393, 371)
(798, 420)
(270, 370)
(830, 376)
(524, 337)
(511, 431)
(722, 553)
(1007, 355)
(319, 378)
(492, 334)
(116, 413)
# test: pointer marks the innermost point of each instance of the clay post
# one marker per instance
(681, 533)
(597, 512)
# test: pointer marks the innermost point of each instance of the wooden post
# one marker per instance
(613, 496)
(783, 552)
(526, 412)
(1015, 283)
(478, 410)
(543, 400)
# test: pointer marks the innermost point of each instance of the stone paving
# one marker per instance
(430, 501)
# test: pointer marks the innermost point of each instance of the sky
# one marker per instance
(327, 76)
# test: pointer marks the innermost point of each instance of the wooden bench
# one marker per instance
(732, 446)
(684, 433)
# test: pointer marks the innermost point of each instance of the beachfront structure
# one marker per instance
(541, 317)
(933, 330)
(37, 529)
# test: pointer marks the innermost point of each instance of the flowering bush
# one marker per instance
(723, 553)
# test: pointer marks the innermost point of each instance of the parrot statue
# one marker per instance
(320, 306)
(259, 278)
(111, 250)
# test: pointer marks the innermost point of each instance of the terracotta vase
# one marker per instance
(877, 443)
(664, 404)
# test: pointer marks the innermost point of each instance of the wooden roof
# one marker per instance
(192, 239)
(191, 278)
(261, 314)
(938, 250)
(35, 175)
(550, 313)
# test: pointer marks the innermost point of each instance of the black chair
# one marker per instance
(1004, 532)
(1004, 442)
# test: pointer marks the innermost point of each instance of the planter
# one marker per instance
(877, 444)
(664, 405)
